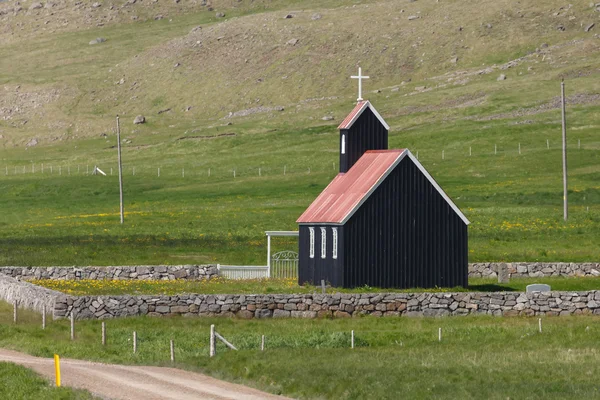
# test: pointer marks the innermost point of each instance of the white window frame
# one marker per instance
(323, 242)
(343, 143)
(334, 243)
(311, 230)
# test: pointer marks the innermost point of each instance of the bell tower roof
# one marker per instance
(357, 111)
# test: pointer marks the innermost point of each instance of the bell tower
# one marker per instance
(363, 129)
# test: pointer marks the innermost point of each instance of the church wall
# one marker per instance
(313, 270)
(405, 235)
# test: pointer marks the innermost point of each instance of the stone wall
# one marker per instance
(142, 272)
(27, 295)
(199, 272)
(334, 305)
(534, 269)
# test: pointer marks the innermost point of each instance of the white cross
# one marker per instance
(360, 77)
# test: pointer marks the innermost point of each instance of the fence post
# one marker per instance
(352, 339)
(212, 340)
(134, 342)
(15, 312)
(44, 316)
(439, 334)
(72, 325)
(103, 333)
(262, 343)
(172, 346)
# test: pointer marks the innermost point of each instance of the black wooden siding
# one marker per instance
(313, 270)
(405, 235)
(367, 133)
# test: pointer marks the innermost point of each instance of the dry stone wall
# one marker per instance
(140, 272)
(27, 295)
(332, 305)
(199, 272)
(534, 269)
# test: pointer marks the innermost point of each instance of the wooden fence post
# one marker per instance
(212, 340)
(134, 342)
(172, 346)
(72, 326)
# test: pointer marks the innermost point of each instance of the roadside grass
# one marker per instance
(478, 357)
(275, 286)
(17, 382)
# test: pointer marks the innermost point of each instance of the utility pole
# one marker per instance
(120, 169)
(564, 150)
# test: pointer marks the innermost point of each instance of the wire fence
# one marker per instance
(221, 172)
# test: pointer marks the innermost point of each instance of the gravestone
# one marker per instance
(538, 287)
(503, 274)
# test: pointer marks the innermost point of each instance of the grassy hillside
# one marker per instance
(247, 92)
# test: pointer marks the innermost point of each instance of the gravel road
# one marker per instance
(136, 383)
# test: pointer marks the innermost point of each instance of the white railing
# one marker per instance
(243, 271)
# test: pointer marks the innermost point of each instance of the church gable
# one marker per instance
(347, 192)
(361, 106)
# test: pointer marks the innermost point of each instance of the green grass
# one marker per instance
(18, 383)
(479, 357)
(513, 200)
(276, 286)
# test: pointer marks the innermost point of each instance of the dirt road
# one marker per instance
(136, 383)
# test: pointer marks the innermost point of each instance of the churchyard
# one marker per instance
(289, 286)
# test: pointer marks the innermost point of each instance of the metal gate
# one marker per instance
(284, 265)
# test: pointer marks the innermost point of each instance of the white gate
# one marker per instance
(284, 265)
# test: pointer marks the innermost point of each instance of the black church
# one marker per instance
(383, 221)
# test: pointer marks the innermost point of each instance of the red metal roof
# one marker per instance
(357, 111)
(346, 123)
(348, 190)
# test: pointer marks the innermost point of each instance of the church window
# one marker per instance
(323, 242)
(335, 242)
(312, 242)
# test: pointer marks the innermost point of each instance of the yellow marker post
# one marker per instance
(57, 369)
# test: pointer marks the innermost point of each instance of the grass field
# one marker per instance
(20, 383)
(479, 357)
(266, 286)
(64, 216)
